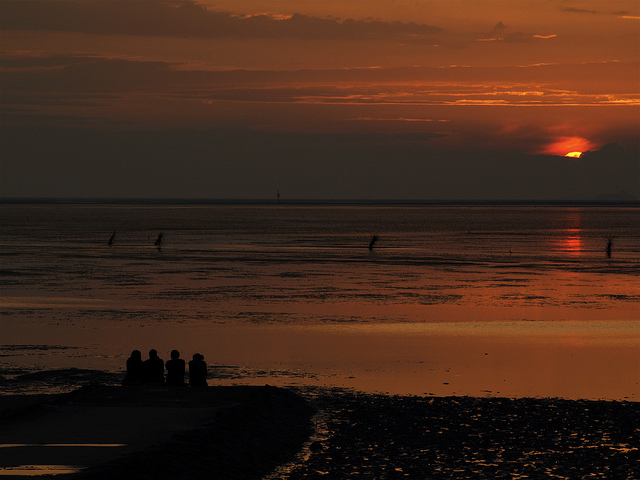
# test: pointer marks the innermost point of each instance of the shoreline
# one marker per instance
(315, 432)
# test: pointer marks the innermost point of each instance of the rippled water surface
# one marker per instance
(451, 300)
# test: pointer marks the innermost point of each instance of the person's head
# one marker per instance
(153, 353)
(136, 354)
(175, 354)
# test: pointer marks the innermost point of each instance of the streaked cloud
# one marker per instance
(578, 10)
(619, 13)
(182, 18)
(502, 33)
(47, 78)
(398, 119)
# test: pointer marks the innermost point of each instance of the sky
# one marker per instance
(320, 99)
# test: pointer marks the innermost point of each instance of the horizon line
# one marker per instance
(608, 200)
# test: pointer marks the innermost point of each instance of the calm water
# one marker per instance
(451, 300)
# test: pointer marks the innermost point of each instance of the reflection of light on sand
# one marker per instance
(597, 332)
(40, 470)
(37, 470)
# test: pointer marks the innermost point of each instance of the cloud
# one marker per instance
(499, 29)
(34, 62)
(502, 33)
(43, 85)
(618, 13)
(80, 74)
(244, 164)
(398, 119)
(183, 18)
(565, 144)
(578, 10)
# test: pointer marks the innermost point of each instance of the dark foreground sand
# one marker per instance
(165, 433)
(380, 437)
(267, 432)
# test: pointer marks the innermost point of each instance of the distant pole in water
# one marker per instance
(159, 241)
(374, 239)
(609, 246)
(113, 237)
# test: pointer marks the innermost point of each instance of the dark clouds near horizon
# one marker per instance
(241, 164)
(188, 19)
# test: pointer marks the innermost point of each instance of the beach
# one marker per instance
(272, 433)
(296, 239)
(470, 342)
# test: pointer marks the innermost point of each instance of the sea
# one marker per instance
(536, 300)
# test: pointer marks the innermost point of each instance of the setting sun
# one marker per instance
(573, 145)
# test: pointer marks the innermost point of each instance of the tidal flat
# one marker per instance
(272, 433)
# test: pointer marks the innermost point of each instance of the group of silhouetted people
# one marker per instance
(151, 371)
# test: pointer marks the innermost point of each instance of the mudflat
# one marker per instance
(368, 436)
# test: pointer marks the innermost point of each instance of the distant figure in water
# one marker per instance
(159, 241)
(113, 237)
(197, 371)
(153, 369)
(135, 374)
(374, 239)
(175, 370)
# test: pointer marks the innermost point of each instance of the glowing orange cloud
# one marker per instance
(569, 146)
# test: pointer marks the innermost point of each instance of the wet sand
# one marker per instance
(247, 432)
(380, 436)
(514, 359)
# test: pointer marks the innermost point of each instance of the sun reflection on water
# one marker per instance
(572, 243)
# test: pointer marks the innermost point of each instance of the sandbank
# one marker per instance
(159, 432)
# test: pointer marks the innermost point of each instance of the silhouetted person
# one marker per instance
(159, 241)
(197, 371)
(609, 246)
(153, 369)
(112, 239)
(135, 375)
(175, 369)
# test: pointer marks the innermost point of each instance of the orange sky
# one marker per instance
(535, 77)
